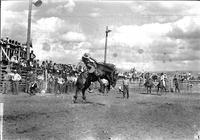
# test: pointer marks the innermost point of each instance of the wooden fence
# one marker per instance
(23, 73)
(190, 86)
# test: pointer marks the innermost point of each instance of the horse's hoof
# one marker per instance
(84, 99)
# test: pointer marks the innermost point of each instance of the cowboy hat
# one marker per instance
(86, 55)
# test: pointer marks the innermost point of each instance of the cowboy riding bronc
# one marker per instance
(96, 72)
(90, 63)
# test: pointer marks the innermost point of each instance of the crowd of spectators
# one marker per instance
(37, 75)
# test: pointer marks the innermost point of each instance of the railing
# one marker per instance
(8, 52)
(189, 86)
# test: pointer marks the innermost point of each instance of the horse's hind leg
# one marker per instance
(83, 94)
(87, 85)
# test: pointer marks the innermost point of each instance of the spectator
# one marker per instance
(65, 85)
(55, 68)
(32, 56)
(50, 81)
(33, 87)
(34, 64)
(125, 85)
(16, 78)
(22, 62)
(60, 84)
(50, 67)
(43, 66)
(176, 83)
(30, 77)
(37, 63)
(14, 58)
(5, 82)
(105, 85)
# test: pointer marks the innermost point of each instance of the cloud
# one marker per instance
(187, 31)
(48, 25)
(70, 5)
(94, 14)
(16, 28)
(46, 47)
(133, 35)
(73, 37)
(64, 30)
(14, 24)
(60, 6)
(186, 28)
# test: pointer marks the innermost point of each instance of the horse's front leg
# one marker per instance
(83, 94)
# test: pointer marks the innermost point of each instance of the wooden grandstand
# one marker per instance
(7, 49)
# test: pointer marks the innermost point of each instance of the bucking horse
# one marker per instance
(106, 71)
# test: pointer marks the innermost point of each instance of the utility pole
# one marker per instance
(28, 41)
(105, 53)
(0, 18)
(0, 33)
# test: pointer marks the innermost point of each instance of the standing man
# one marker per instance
(125, 86)
(32, 56)
(162, 78)
(176, 84)
(60, 84)
(105, 86)
(5, 83)
(28, 81)
(16, 78)
(33, 87)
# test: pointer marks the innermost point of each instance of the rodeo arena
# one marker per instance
(93, 100)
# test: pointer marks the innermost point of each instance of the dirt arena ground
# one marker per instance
(141, 117)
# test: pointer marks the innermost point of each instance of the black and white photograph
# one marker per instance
(99, 70)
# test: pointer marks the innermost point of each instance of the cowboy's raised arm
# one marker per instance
(93, 59)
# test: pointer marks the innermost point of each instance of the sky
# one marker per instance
(147, 35)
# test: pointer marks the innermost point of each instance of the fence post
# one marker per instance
(46, 80)
(0, 53)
